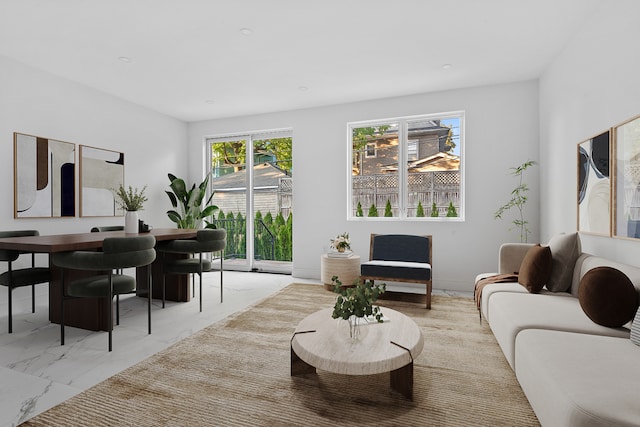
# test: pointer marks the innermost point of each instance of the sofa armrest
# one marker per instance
(511, 256)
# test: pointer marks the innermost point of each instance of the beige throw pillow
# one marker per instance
(565, 250)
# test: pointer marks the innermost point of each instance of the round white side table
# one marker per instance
(347, 269)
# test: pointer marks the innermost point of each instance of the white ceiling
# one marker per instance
(190, 60)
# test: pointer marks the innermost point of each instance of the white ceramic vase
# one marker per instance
(131, 222)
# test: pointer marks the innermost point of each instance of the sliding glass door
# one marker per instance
(255, 203)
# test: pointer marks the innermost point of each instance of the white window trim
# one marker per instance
(402, 172)
(375, 150)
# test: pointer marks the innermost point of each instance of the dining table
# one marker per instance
(92, 313)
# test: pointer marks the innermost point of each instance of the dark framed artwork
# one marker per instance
(43, 177)
(626, 196)
(594, 185)
(101, 173)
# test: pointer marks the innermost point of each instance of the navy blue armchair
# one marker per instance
(400, 258)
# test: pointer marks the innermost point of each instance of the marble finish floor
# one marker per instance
(37, 373)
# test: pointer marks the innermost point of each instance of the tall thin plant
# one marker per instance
(518, 200)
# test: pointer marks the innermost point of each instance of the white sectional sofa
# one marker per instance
(574, 371)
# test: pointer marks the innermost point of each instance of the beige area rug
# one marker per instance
(237, 372)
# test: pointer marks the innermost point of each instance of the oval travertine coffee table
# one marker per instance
(321, 342)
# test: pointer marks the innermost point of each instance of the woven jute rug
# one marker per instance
(237, 372)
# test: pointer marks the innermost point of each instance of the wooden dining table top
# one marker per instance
(80, 241)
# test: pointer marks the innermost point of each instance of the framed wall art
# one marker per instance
(594, 185)
(101, 173)
(43, 177)
(627, 179)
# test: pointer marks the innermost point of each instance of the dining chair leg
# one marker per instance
(62, 306)
(149, 291)
(10, 305)
(110, 301)
(221, 273)
(33, 287)
(163, 290)
(200, 274)
(118, 309)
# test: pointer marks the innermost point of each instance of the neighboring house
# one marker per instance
(272, 190)
(426, 140)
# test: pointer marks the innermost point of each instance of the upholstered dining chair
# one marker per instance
(101, 228)
(16, 278)
(206, 241)
(117, 253)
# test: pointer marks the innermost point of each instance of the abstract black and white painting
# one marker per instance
(594, 185)
(627, 179)
(101, 173)
(44, 177)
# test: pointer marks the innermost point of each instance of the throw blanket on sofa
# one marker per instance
(498, 278)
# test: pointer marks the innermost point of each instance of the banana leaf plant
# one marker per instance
(189, 203)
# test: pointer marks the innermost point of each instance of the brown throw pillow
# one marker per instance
(535, 268)
(607, 296)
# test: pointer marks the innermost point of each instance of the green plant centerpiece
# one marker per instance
(518, 200)
(190, 203)
(356, 302)
(130, 199)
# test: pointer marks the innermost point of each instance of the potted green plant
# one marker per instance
(356, 302)
(190, 202)
(518, 200)
(131, 200)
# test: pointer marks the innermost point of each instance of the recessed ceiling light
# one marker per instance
(124, 59)
(246, 31)
(303, 88)
(446, 66)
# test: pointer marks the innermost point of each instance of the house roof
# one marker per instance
(440, 161)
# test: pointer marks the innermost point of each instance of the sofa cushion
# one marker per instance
(635, 329)
(579, 379)
(396, 269)
(511, 312)
(565, 250)
(535, 268)
(607, 296)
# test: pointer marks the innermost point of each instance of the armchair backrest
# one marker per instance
(117, 252)
(11, 255)
(400, 247)
(207, 240)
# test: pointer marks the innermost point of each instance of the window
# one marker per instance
(407, 168)
(370, 150)
(412, 149)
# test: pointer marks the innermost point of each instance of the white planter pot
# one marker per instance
(131, 222)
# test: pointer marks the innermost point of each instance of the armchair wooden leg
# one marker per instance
(429, 295)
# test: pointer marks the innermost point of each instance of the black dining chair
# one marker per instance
(117, 253)
(101, 228)
(17, 278)
(206, 241)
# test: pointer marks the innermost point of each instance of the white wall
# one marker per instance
(501, 132)
(41, 104)
(590, 87)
